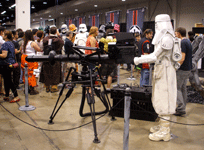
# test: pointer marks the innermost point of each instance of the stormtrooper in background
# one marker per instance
(81, 36)
(166, 55)
(63, 31)
(63, 35)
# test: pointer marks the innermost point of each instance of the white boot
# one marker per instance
(163, 132)
(155, 128)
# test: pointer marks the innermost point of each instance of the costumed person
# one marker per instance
(64, 30)
(108, 70)
(166, 56)
(51, 75)
(29, 48)
(80, 40)
(81, 36)
(145, 49)
(73, 28)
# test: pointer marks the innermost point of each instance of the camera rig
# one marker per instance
(87, 77)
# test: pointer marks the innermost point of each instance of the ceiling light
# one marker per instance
(123, 0)
(33, 7)
(40, 18)
(95, 5)
(45, 3)
(49, 15)
(61, 13)
(33, 19)
(7, 17)
(76, 9)
(14, 5)
(3, 12)
(0, 20)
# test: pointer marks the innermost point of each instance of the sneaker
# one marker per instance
(181, 114)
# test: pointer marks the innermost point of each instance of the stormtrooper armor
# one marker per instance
(63, 34)
(81, 36)
(64, 31)
(135, 28)
(164, 85)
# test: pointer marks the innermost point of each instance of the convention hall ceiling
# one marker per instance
(7, 8)
(52, 9)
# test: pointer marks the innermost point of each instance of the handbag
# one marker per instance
(15, 65)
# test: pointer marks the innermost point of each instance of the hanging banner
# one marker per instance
(94, 20)
(135, 17)
(71, 21)
(113, 16)
(80, 20)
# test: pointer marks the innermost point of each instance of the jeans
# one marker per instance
(182, 77)
(144, 79)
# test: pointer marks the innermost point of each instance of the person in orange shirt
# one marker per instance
(92, 42)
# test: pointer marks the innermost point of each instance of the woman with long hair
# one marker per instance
(30, 48)
(7, 58)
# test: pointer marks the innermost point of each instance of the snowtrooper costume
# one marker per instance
(166, 55)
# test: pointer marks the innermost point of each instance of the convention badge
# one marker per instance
(147, 46)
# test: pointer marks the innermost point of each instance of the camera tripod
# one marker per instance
(87, 78)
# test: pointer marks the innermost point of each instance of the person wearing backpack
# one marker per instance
(51, 75)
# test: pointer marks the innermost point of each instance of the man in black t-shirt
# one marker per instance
(183, 72)
(68, 43)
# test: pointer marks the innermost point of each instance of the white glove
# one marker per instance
(136, 61)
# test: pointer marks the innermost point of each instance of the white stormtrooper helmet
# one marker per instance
(135, 28)
(163, 21)
(162, 26)
(82, 28)
(64, 28)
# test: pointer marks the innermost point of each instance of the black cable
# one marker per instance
(64, 129)
(167, 119)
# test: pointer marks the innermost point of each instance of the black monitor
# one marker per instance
(124, 39)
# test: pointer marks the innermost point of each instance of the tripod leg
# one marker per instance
(112, 117)
(60, 94)
(92, 110)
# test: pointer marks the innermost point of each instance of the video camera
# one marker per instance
(124, 50)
